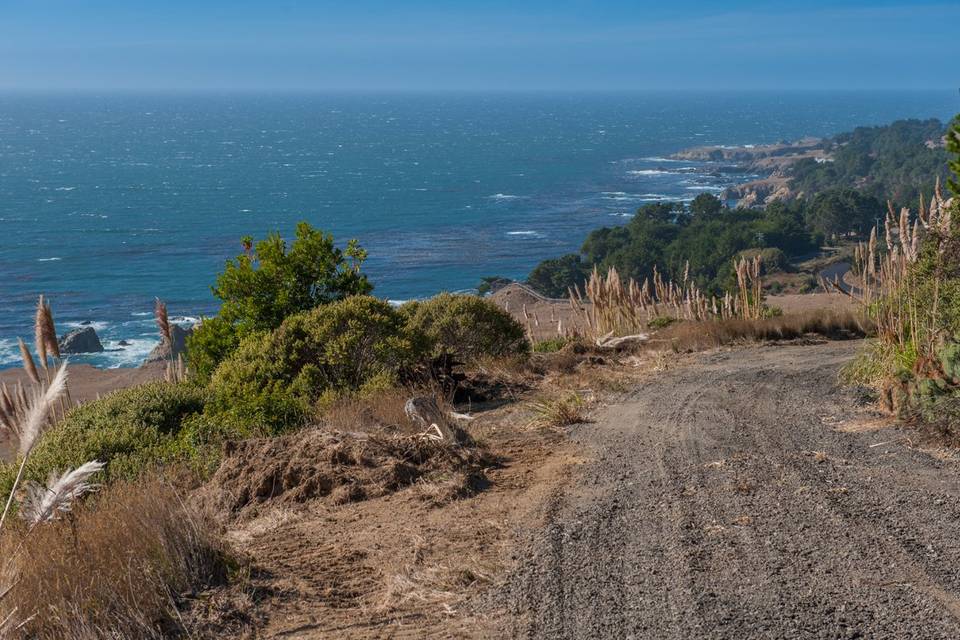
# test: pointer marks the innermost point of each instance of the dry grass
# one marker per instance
(374, 412)
(889, 282)
(417, 579)
(617, 307)
(561, 411)
(697, 336)
(114, 567)
(322, 464)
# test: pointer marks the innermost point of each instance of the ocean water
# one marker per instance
(107, 201)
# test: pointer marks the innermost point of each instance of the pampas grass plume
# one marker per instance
(29, 366)
(44, 503)
(42, 405)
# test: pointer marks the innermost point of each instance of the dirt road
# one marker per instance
(745, 497)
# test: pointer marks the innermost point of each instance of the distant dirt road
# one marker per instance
(745, 497)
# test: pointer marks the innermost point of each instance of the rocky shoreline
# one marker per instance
(771, 160)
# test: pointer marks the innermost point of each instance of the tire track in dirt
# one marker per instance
(723, 503)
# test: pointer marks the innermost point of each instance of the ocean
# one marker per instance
(108, 201)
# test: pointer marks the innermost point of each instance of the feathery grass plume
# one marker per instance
(48, 329)
(619, 308)
(33, 422)
(45, 503)
(40, 409)
(887, 279)
(163, 322)
(28, 365)
(39, 343)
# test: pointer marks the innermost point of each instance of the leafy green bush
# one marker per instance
(272, 381)
(271, 281)
(661, 322)
(465, 327)
(210, 343)
(550, 345)
(131, 430)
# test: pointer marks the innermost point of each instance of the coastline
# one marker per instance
(772, 161)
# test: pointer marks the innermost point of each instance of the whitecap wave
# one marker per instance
(98, 326)
(504, 196)
(48, 259)
(525, 234)
(9, 353)
(648, 172)
(132, 354)
(704, 188)
(659, 159)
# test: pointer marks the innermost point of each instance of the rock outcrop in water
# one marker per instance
(162, 350)
(83, 340)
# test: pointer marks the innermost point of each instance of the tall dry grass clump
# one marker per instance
(17, 400)
(112, 567)
(909, 283)
(700, 335)
(611, 306)
(888, 280)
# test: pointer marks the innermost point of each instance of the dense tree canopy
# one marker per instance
(896, 162)
(669, 235)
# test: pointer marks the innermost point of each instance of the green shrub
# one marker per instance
(550, 345)
(210, 343)
(131, 430)
(661, 322)
(272, 381)
(465, 327)
(271, 281)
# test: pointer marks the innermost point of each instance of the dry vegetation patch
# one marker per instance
(120, 565)
(823, 323)
(338, 467)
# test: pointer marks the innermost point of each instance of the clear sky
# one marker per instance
(491, 44)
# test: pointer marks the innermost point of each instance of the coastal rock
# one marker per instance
(83, 340)
(759, 193)
(162, 350)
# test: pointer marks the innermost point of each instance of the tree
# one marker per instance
(843, 211)
(554, 277)
(706, 205)
(260, 288)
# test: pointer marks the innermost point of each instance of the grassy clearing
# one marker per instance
(697, 336)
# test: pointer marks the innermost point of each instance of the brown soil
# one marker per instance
(260, 474)
(87, 382)
(398, 564)
(387, 535)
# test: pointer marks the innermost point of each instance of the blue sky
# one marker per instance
(515, 45)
